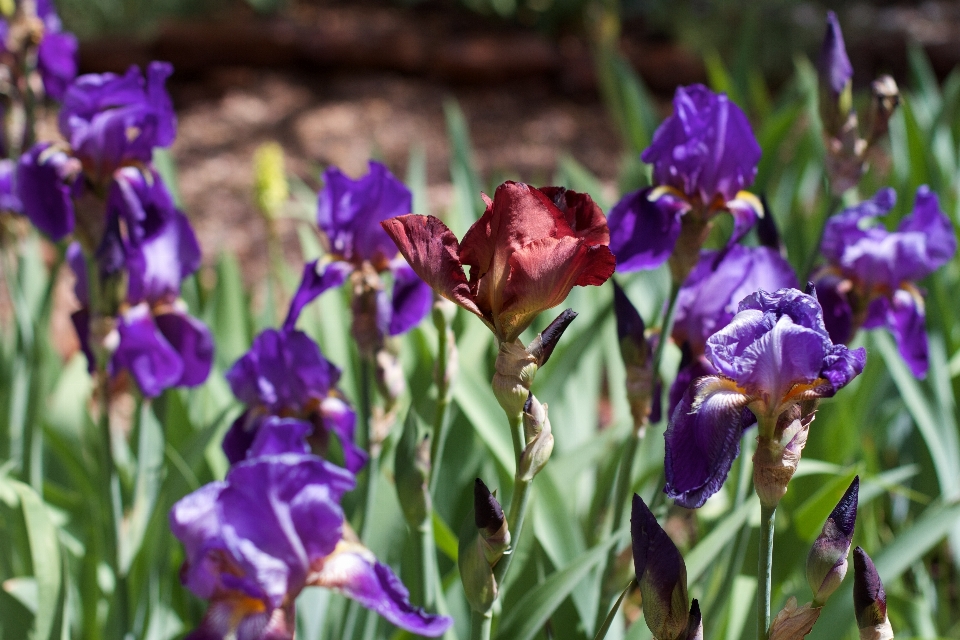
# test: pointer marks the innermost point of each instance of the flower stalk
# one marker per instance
(765, 570)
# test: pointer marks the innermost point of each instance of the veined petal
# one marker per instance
(643, 232)
(840, 366)
(241, 618)
(411, 299)
(542, 273)
(317, 278)
(433, 252)
(905, 318)
(703, 440)
(354, 571)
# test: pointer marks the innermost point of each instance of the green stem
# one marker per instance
(480, 625)
(518, 501)
(764, 571)
(428, 566)
(440, 430)
(373, 448)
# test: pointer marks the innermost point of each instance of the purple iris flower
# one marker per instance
(703, 156)
(349, 213)
(273, 527)
(774, 354)
(112, 124)
(285, 374)
(709, 297)
(834, 66)
(869, 279)
(157, 341)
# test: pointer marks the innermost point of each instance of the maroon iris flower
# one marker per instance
(525, 253)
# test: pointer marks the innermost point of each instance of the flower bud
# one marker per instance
(483, 541)
(776, 458)
(543, 345)
(661, 574)
(827, 560)
(869, 599)
(637, 354)
(793, 622)
(695, 622)
(515, 370)
(412, 473)
(538, 437)
(835, 72)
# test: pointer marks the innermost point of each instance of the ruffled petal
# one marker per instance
(355, 572)
(905, 319)
(840, 366)
(411, 300)
(703, 439)
(940, 240)
(432, 251)
(644, 232)
(317, 278)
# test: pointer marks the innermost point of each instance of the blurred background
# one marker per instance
(338, 82)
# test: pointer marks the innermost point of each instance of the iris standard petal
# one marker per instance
(355, 572)
(703, 439)
(644, 232)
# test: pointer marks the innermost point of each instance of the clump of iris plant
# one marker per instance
(133, 246)
(774, 360)
(284, 374)
(273, 527)
(870, 277)
(703, 158)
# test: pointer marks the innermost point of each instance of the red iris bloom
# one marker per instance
(525, 253)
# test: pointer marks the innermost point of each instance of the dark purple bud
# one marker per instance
(834, 66)
(481, 548)
(661, 574)
(767, 232)
(827, 560)
(487, 513)
(630, 328)
(695, 622)
(543, 345)
(869, 598)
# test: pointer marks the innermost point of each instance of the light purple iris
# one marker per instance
(703, 156)
(271, 528)
(774, 354)
(285, 374)
(56, 51)
(869, 280)
(709, 297)
(349, 213)
(158, 342)
(112, 124)
(834, 66)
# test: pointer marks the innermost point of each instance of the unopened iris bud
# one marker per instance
(539, 439)
(515, 370)
(835, 72)
(637, 355)
(412, 471)
(483, 541)
(776, 458)
(661, 574)
(543, 345)
(869, 599)
(695, 622)
(827, 560)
